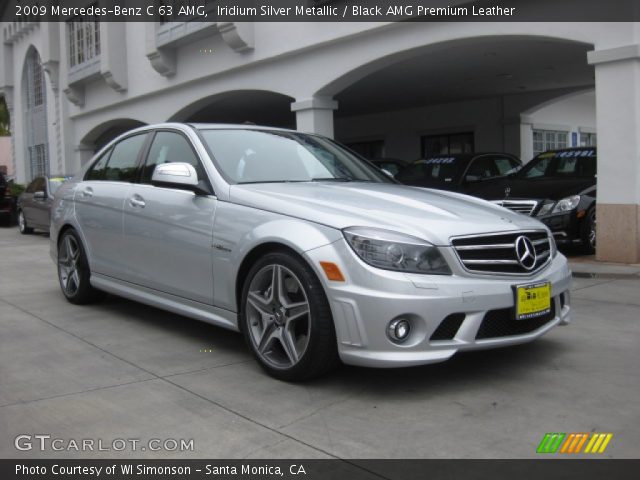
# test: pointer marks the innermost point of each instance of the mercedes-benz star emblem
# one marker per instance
(525, 253)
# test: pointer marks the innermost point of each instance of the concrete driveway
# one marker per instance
(121, 370)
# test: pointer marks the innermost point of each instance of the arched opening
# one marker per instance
(34, 94)
(241, 106)
(460, 95)
(102, 134)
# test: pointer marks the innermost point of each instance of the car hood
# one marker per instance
(433, 215)
(535, 188)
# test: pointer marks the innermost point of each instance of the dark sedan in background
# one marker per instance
(460, 172)
(34, 204)
(557, 187)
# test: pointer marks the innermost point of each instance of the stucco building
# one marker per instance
(387, 89)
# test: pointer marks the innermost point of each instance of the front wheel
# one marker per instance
(588, 233)
(286, 319)
(73, 270)
(22, 224)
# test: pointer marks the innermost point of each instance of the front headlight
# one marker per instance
(395, 251)
(566, 204)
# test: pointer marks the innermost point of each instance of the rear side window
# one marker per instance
(169, 147)
(123, 161)
(96, 172)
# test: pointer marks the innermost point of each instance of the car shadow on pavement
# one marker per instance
(462, 370)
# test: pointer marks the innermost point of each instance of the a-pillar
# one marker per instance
(315, 115)
(618, 121)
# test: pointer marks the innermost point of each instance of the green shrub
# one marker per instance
(15, 189)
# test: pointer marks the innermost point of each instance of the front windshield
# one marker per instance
(267, 156)
(562, 164)
(437, 170)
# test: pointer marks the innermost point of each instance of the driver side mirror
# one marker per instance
(178, 175)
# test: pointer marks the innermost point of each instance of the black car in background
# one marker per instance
(34, 204)
(559, 188)
(459, 172)
(6, 201)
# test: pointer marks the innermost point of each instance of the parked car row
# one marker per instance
(558, 187)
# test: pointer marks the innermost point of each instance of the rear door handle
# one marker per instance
(137, 201)
(87, 192)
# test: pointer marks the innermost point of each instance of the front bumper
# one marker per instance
(564, 226)
(370, 298)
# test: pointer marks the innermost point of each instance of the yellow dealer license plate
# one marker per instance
(533, 300)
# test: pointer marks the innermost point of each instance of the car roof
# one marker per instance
(568, 149)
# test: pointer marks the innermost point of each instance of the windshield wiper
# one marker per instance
(332, 179)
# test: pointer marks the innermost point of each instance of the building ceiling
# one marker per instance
(477, 68)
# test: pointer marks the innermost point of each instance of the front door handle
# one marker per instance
(87, 192)
(137, 201)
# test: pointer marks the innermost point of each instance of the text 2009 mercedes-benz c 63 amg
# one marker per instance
(314, 254)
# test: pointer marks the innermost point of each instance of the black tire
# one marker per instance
(321, 352)
(76, 288)
(587, 232)
(22, 224)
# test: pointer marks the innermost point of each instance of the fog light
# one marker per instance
(398, 330)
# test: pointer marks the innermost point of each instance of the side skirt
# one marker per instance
(165, 301)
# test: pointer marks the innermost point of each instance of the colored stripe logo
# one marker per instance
(556, 442)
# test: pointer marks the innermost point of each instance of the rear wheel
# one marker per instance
(588, 233)
(73, 270)
(286, 319)
(22, 224)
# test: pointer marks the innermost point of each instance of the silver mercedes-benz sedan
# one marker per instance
(314, 254)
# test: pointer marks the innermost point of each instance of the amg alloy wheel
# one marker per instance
(73, 270)
(286, 318)
(22, 224)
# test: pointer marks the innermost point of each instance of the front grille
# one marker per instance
(501, 323)
(495, 253)
(526, 207)
(448, 327)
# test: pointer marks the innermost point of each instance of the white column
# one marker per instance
(315, 115)
(618, 121)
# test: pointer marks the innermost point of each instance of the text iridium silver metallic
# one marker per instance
(443, 267)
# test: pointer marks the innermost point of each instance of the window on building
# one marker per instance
(35, 81)
(84, 39)
(544, 140)
(369, 150)
(588, 139)
(433, 145)
(38, 160)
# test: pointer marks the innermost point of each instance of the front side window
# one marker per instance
(258, 156)
(169, 147)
